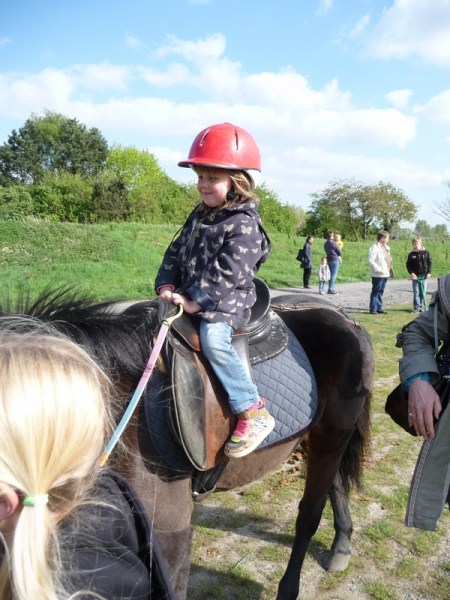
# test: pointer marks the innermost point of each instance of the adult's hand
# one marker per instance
(424, 406)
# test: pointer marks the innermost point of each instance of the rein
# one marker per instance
(164, 329)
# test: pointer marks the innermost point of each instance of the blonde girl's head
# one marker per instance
(54, 421)
(417, 242)
(324, 260)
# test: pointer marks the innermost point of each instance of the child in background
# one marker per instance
(324, 274)
(419, 265)
(210, 267)
(338, 240)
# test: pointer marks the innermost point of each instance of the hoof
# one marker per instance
(338, 562)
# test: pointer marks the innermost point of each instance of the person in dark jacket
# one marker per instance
(419, 265)
(110, 547)
(80, 529)
(334, 257)
(209, 268)
(306, 263)
(421, 368)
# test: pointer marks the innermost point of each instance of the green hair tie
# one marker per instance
(35, 500)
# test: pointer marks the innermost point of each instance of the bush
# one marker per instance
(15, 202)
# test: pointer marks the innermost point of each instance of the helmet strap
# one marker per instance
(231, 195)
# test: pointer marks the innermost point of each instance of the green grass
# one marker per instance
(120, 260)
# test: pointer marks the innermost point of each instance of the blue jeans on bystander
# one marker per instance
(376, 295)
(334, 268)
(419, 301)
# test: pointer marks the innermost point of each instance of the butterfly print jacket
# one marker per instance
(213, 260)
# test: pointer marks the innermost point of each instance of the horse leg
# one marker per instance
(168, 503)
(325, 451)
(343, 527)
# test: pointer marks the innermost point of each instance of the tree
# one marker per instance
(443, 208)
(355, 209)
(52, 144)
(422, 228)
(275, 216)
(15, 203)
(392, 205)
(440, 231)
(153, 196)
(64, 197)
(110, 200)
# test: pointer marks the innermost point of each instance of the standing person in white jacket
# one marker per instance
(380, 264)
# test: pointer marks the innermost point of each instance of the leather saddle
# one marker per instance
(198, 411)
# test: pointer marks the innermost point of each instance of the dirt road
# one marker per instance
(354, 297)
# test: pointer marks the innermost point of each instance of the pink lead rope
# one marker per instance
(165, 325)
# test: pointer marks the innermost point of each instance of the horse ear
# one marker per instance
(9, 501)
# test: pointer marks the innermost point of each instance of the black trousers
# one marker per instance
(306, 277)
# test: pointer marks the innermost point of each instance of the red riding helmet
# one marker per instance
(224, 146)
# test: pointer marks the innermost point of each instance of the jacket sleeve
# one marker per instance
(409, 264)
(108, 547)
(371, 259)
(169, 273)
(429, 263)
(418, 343)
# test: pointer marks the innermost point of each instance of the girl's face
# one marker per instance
(213, 186)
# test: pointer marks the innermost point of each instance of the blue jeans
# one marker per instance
(334, 268)
(215, 339)
(376, 295)
(418, 302)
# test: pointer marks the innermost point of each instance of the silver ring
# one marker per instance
(412, 415)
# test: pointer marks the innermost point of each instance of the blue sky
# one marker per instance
(330, 89)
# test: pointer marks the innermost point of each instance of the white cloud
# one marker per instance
(176, 74)
(360, 27)
(399, 98)
(413, 28)
(103, 76)
(324, 7)
(23, 94)
(212, 47)
(132, 41)
(437, 109)
(278, 105)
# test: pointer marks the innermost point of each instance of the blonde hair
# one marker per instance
(241, 185)
(54, 421)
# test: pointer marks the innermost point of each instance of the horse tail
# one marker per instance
(352, 463)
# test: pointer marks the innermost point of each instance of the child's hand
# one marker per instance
(166, 294)
(190, 306)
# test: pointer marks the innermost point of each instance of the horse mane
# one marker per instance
(118, 340)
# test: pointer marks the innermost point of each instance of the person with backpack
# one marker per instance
(306, 261)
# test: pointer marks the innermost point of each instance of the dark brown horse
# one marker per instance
(341, 357)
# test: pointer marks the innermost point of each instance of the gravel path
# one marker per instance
(354, 297)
